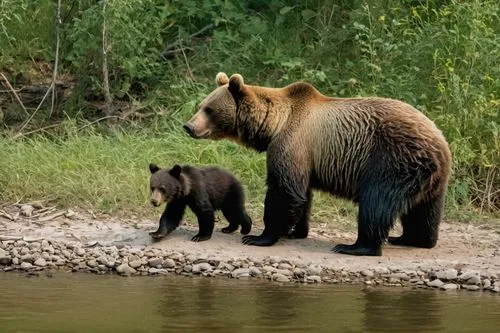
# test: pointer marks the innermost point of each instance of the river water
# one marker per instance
(85, 303)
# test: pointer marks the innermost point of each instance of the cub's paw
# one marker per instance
(200, 238)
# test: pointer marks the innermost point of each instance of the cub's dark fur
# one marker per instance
(203, 190)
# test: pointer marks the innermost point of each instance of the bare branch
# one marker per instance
(14, 93)
(107, 95)
(54, 76)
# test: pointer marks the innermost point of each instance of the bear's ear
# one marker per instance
(175, 171)
(153, 167)
(221, 79)
(236, 86)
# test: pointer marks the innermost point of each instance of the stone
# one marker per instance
(135, 263)
(24, 250)
(382, 270)
(449, 274)
(367, 273)
(471, 287)
(284, 266)
(92, 263)
(240, 272)
(27, 210)
(125, 269)
(168, 263)
(110, 263)
(15, 261)
(254, 271)
(80, 251)
(486, 283)
(495, 289)
(314, 278)
(280, 277)
(153, 262)
(46, 256)
(201, 267)
(466, 275)
(299, 272)
(475, 280)
(314, 270)
(449, 286)
(40, 262)
(437, 283)
(26, 265)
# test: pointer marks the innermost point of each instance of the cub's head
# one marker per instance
(165, 184)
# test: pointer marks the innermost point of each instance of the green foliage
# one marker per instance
(438, 55)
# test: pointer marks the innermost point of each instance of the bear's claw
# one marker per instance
(258, 240)
(357, 250)
(200, 238)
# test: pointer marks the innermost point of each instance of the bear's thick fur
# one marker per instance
(381, 153)
(204, 190)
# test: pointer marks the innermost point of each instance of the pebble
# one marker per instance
(40, 262)
(284, 266)
(449, 286)
(135, 263)
(26, 265)
(466, 275)
(201, 267)
(476, 280)
(79, 251)
(153, 262)
(486, 283)
(471, 287)
(437, 283)
(314, 278)
(168, 263)
(92, 263)
(125, 269)
(254, 271)
(367, 273)
(240, 272)
(448, 274)
(314, 270)
(280, 277)
(15, 261)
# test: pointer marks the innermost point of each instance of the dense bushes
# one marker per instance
(439, 55)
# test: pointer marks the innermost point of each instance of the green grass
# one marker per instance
(109, 172)
(106, 172)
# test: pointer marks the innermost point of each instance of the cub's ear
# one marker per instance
(153, 167)
(236, 86)
(175, 171)
(221, 79)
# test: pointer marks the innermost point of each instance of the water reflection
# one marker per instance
(82, 303)
(391, 313)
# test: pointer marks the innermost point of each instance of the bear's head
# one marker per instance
(165, 185)
(250, 115)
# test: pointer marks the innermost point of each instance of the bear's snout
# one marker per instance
(155, 202)
(188, 128)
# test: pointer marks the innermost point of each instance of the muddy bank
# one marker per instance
(467, 257)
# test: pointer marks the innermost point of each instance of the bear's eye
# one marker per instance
(152, 189)
(209, 111)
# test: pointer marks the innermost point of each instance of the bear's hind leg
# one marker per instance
(421, 224)
(380, 202)
(301, 229)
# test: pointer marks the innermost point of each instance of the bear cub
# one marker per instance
(203, 190)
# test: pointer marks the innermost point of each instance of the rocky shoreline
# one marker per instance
(36, 255)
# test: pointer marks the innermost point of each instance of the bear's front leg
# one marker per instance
(206, 223)
(170, 219)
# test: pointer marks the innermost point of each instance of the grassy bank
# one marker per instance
(108, 172)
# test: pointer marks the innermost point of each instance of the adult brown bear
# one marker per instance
(381, 153)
